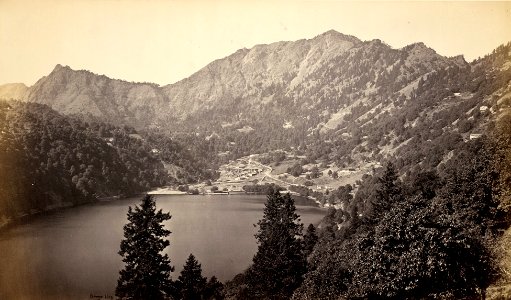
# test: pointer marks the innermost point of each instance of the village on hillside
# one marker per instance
(237, 176)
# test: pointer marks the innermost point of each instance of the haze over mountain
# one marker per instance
(13, 91)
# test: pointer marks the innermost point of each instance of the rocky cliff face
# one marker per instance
(329, 66)
(258, 75)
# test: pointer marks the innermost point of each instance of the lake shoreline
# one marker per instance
(12, 222)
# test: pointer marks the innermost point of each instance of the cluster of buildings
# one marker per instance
(238, 171)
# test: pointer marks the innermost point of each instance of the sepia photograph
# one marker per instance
(221, 149)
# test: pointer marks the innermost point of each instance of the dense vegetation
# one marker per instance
(427, 236)
(262, 189)
(195, 159)
(187, 158)
(430, 234)
(48, 160)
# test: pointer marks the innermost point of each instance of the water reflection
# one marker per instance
(72, 253)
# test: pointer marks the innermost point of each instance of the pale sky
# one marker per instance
(165, 41)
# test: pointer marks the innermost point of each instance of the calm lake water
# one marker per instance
(72, 253)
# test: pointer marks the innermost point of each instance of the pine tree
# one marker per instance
(214, 289)
(146, 274)
(388, 192)
(279, 263)
(191, 283)
(309, 240)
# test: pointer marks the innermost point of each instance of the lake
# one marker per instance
(72, 253)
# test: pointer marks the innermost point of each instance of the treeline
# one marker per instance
(262, 189)
(48, 160)
(342, 195)
(195, 159)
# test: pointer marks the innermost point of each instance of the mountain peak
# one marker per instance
(335, 35)
(331, 32)
(459, 59)
(59, 67)
(419, 46)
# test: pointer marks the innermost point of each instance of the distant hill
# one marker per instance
(14, 91)
(328, 68)
(83, 92)
(48, 161)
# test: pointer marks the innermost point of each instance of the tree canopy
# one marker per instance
(191, 283)
(279, 263)
(432, 236)
(146, 272)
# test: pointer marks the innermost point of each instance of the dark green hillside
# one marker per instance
(426, 236)
(195, 162)
(48, 160)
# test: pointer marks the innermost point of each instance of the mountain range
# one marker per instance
(332, 87)
(256, 77)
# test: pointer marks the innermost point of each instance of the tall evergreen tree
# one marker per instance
(309, 240)
(191, 283)
(388, 193)
(214, 289)
(279, 263)
(146, 274)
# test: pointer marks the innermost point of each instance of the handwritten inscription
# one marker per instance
(105, 296)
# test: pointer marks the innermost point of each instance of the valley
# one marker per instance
(319, 114)
(408, 149)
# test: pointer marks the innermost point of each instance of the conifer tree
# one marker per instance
(214, 289)
(279, 263)
(146, 274)
(191, 283)
(388, 192)
(309, 240)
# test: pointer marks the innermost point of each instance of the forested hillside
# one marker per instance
(427, 235)
(48, 160)
(420, 130)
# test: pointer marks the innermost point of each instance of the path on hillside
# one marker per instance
(267, 173)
